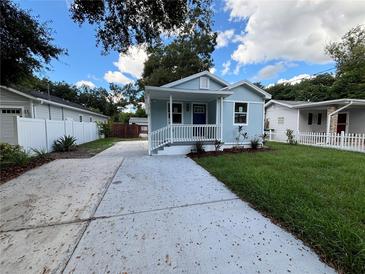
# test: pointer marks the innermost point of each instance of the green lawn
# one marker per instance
(99, 145)
(316, 193)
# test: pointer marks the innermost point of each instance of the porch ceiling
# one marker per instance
(163, 93)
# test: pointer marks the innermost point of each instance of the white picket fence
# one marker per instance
(343, 141)
(40, 134)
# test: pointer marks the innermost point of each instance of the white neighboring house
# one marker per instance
(333, 116)
(142, 122)
(37, 105)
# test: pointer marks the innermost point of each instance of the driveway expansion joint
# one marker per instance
(117, 215)
(92, 214)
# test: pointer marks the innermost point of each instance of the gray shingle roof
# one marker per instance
(56, 99)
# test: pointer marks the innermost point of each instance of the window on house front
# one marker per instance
(91, 119)
(240, 113)
(176, 113)
(281, 120)
(204, 82)
(319, 119)
(310, 118)
(80, 118)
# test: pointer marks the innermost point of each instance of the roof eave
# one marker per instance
(41, 100)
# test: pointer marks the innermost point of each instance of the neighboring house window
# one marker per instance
(281, 120)
(91, 119)
(176, 113)
(240, 113)
(204, 82)
(80, 118)
(12, 111)
(319, 119)
(310, 118)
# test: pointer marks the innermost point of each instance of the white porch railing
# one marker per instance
(344, 141)
(160, 137)
(184, 133)
(194, 133)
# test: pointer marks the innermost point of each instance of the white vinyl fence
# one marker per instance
(40, 134)
(344, 141)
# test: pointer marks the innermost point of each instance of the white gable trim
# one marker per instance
(196, 75)
(243, 82)
(279, 103)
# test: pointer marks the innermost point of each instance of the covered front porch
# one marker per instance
(180, 116)
(344, 116)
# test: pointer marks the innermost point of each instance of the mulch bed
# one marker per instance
(10, 172)
(226, 151)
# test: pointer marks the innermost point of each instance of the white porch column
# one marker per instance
(298, 121)
(217, 112)
(221, 116)
(171, 137)
(149, 125)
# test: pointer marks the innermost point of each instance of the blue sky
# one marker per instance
(258, 41)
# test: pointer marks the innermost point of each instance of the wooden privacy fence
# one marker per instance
(40, 134)
(125, 130)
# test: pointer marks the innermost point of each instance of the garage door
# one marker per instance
(7, 124)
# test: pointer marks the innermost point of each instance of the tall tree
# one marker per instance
(120, 24)
(189, 52)
(26, 45)
(349, 55)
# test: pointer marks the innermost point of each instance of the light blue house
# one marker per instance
(202, 107)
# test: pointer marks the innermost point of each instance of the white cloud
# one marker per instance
(85, 83)
(295, 80)
(226, 67)
(212, 70)
(291, 30)
(131, 63)
(116, 77)
(224, 37)
(270, 71)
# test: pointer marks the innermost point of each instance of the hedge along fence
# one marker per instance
(40, 134)
(125, 130)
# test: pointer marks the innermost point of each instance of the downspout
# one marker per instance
(335, 112)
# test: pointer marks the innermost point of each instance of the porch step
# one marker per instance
(181, 148)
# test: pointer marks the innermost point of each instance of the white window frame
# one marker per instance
(14, 107)
(201, 82)
(168, 109)
(248, 108)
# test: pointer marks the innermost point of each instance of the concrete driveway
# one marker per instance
(162, 214)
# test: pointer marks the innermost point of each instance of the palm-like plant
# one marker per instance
(65, 143)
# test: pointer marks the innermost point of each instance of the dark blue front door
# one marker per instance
(199, 114)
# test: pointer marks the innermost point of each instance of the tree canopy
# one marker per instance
(120, 24)
(189, 52)
(26, 44)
